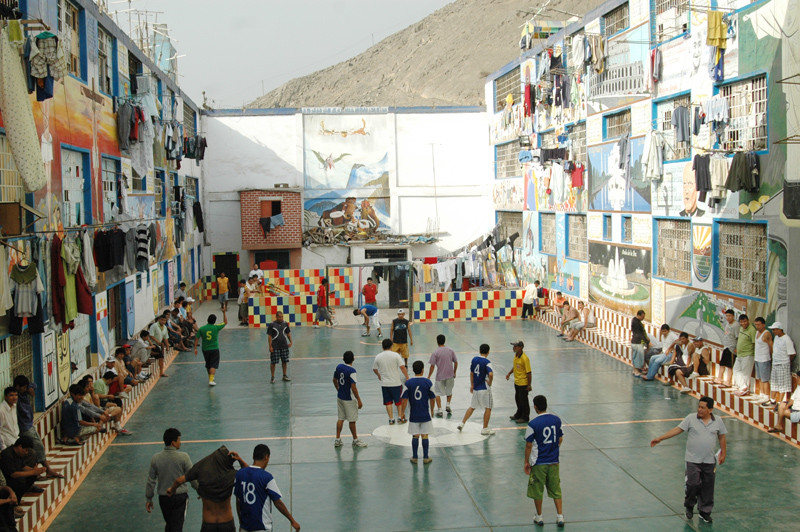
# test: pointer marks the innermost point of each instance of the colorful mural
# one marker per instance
(509, 194)
(700, 313)
(612, 188)
(619, 277)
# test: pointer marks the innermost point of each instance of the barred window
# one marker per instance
(507, 160)
(607, 227)
(508, 83)
(576, 236)
(138, 183)
(72, 23)
(189, 121)
(161, 208)
(675, 150)
(110, 169)
(672, 18)
(616, 20)
(549, 140)
(617, 124)
(742, 253)
(627, 229)
(578, 138)
(191, 187)
(547, 226)
(674, 250)
(10, 182)
(508, 223)
(747, 101)
(105, 71)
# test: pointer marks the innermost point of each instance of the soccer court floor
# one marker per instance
(611, 479)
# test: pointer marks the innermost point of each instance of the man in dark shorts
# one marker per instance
(680, 365)
(209, 334)
(280, 340)
(729, 340)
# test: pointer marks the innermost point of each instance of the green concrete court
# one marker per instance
(611, 478)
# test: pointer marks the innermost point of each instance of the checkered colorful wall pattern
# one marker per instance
(468, 306)
(297, 310)
(208, 287)
(306, 282)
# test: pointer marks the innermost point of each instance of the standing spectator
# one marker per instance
(663, 344)
(242, 302)
(545, 430)
(370, 292)
(222, 291)
(280, 340)
(181, 291)
(745, 353)
(639, 342)
(165, 467)
(420, 395)
(730, 338)
(209, 334)
(256, 491)
(14, 465)
(401, 335)
(703, 430)
(480, 386)
(521, 368)
(388, 366)
(530, 299)
(371, 318)
(9, 425)
(158, 330)
(258, 273)
(763, 360)
(348, 402)
(783, 354)
(323, 312)
(25, 391)
(446, 363)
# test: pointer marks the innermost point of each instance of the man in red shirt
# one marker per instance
(369, 292)
(322, 305)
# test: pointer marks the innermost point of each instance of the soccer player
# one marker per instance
(401, 335)
(480, 386)
(209, 334)
(323, 313)
(256, 492)
(545, 430)
(446, 363)
(371, 318)
(348, 402)
(420, 395)
(280, 340)
(388, 366)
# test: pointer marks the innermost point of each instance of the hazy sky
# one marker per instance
(232, 48)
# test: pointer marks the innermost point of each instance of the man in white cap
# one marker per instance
(783, 353)
(401, 335)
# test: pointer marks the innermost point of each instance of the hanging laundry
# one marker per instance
(702, 175)
(699, 120)
(130, 250)
(198, 216)
(681, 123)
(653, 156)
(87, 259)
(265, 224)
(598, 53)
(48, 57)
(71, 261)
(26, 287)
(576, 175)
(124, 124)
(277, 220)
(142, 247)
(744, 172)
(57, 288)
(577, 52)
(717, 30)
(202, 144)
(6, 301)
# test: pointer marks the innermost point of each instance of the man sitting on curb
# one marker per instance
(73, 428)
(786, 411)
(14, 464)
(569, 315)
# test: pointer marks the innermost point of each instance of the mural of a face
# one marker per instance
(689, 193)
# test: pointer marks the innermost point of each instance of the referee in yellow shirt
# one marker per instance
(522, 383)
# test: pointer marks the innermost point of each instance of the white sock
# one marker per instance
(117, 426)
(560, 516)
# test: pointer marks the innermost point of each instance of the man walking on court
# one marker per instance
(521, 368)
(480, 386)
(401, 335)
(280, 340)
(545, 430)
(703, 430)
(445, 361)
(420, 395)
(388, 366)
(165, 467)
(323, 313)
(209, 334)
(256, 492)
(222, 291)
(348, 402)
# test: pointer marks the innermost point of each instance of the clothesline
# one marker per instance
(87, 226)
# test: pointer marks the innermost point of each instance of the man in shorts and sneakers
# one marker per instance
(280, 340)
(209, 334)
(323, 311)
(545, 430)
(729, 340)
(401, 335)
(420, 396)
(480, 386)
(348, 402)
(787, 410)
(783, 353)
(371, 318)
(388, 366)
(222, 291)
(445, 361)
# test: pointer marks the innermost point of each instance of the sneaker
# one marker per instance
(487, 432)
(391, 422)
(538, 520)
(427, 460)
(706, 518)
(124, 432)
(686, 389)
(560, 522)
(559, 336)
(359, 443)
(512, 418)
(272, 380)
(689, 512)
(337, 443)
(315, 326)
(414, 460)
(365, 334)
(212, 383)
(286, 378)
(380, 335)
(768, 403)
(402, 421)
(448, 410)
(439, 413)
(460, 426)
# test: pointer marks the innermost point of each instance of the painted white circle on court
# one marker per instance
(445, 434)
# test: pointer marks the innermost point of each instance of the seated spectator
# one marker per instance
(569, 315)
(121, 369)
(186, 312)
(142, 348)
(9, 426)
(700, 356)
(176, 336)
(91, 409)
(9, 510)
(679, 366)
(186, 328)
(133, 365)
(73, 427)
(116, 388)
(14, 465)
(25, 391)
(660, 346)
(181, 291)
(558, 303)
(786, 411)
(101, 389)
(586, 319)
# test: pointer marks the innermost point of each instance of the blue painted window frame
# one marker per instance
(715, 255)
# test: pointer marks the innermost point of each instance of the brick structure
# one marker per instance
(257, 204)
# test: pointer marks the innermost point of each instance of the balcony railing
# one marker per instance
(617, 80)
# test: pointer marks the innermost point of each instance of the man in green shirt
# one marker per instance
(209, 334)
(745, 359)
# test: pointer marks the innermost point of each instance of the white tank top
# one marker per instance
(762, 349)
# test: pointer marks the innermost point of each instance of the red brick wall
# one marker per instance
(287, 236)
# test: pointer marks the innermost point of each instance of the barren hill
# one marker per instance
(441, 60)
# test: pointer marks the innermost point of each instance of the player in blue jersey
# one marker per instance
(480, 386)
(545, 430)
(256, 492)
(371, 318)
(419, 393)
(348, 402)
